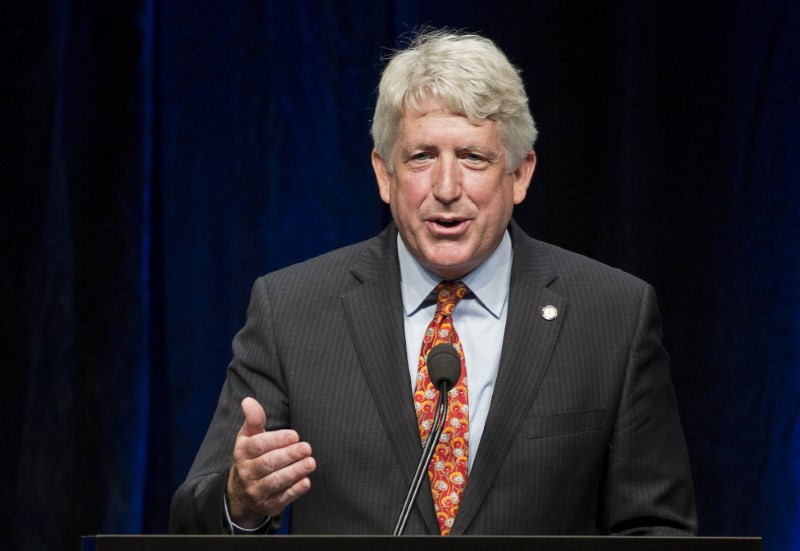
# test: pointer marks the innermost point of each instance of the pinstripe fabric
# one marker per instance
(583, 435)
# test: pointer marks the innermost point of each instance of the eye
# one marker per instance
(419, 158)
(474, 159)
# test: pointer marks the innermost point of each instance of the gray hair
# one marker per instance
(470, 75)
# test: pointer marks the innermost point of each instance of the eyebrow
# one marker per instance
(407, 148)
(491, 156)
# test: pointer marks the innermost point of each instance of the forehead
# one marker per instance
(436, 124)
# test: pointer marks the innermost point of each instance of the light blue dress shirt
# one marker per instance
(479, 319)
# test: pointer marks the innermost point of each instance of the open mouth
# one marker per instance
(445, 226)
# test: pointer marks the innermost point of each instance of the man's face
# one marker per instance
(449, 194)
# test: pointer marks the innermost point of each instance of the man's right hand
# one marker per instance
(270, 469)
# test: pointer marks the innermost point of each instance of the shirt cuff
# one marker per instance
(236, 530)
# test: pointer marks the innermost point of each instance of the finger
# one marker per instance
(287, 484)
(263, 444)
(263, 454)
(254, 418)
(281, 457)
(279, 501)
(249, 502)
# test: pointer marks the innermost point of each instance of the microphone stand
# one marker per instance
(427, 453)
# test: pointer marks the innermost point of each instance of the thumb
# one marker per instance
(254, 418)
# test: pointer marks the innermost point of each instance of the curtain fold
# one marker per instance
(77, 302)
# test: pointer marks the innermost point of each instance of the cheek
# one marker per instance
(410, 191)
(493, 196)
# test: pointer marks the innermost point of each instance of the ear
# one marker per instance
(383, 176)
(522, 177)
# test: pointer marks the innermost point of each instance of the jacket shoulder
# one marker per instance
(561, 268)
(338, 270)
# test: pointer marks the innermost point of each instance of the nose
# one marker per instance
(447, 180)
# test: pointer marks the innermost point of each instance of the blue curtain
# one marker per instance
(158, 156)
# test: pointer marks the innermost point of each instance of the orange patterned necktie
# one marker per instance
(448, 468)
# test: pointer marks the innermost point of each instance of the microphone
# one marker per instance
(444, 369)
(444, 365)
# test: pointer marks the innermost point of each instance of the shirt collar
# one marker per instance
(489, 282)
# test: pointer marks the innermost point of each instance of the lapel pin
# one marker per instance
(549, 312)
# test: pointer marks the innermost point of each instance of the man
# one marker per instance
(566, 422)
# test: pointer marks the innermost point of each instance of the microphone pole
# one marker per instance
(444, 369)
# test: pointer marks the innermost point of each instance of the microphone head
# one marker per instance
(444, 365)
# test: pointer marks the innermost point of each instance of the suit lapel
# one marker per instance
(374, 312)
(527, 346)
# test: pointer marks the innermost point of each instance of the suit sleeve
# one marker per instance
(648, 482)
(197, 506)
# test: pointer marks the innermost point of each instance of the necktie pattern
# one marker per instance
(448, 468)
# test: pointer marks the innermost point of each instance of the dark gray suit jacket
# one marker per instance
(583, 435)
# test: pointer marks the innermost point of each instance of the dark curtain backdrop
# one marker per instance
(159, 155)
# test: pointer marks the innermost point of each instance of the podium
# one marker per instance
(415, 543)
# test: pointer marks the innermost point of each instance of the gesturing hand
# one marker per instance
(270, 469)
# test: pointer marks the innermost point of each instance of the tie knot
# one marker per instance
(448, 293)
